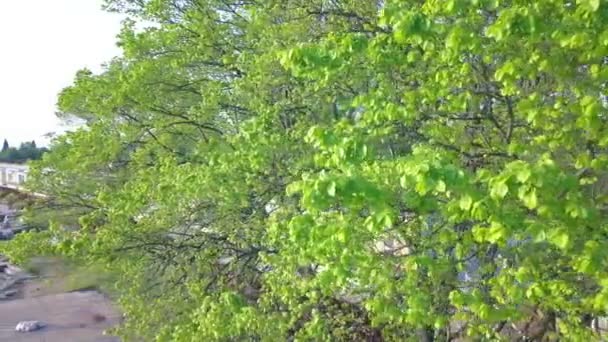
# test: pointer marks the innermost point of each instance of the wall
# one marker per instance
(13, 175)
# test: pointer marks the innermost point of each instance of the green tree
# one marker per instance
(26, 151)
(5, 145)
(341, 170)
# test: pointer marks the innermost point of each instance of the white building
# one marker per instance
(13, 175)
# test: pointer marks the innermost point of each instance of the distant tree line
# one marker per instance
(26, 151)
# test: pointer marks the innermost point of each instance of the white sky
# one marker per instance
(42, 45)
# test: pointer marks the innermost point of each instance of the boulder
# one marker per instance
(27, 326)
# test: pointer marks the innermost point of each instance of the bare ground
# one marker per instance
(81, 316)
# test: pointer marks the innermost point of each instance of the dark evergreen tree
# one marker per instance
(5, 145)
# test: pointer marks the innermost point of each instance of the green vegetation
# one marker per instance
(341, 170)
(26, 151)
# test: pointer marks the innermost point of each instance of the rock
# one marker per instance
(27, 326)
(12, 270)
(8, 294)
(6, 234)
(600, 325)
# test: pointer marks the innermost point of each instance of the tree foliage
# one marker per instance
(26, 151)
(342, 170)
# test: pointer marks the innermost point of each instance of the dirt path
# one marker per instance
(76, 316)
(79, 316)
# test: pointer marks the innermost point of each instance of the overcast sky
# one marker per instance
(42, 45)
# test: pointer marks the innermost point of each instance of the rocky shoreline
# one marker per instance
(11, 276)
(11, 280)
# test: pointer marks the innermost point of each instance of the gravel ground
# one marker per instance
(80, 316)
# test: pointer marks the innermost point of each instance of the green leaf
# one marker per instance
(559, 238)
(440, 187)
(403, 182)
(496, 232)
(499, 190)
(529, 198)
(465, 202)
(594, 5)
(523, 174)
(331, 189)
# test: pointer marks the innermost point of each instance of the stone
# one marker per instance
(6, 234)
(8, 294)
(12, 270)
(600, 325)
(27, 326)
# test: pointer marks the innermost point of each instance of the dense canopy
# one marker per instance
(341, 170)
